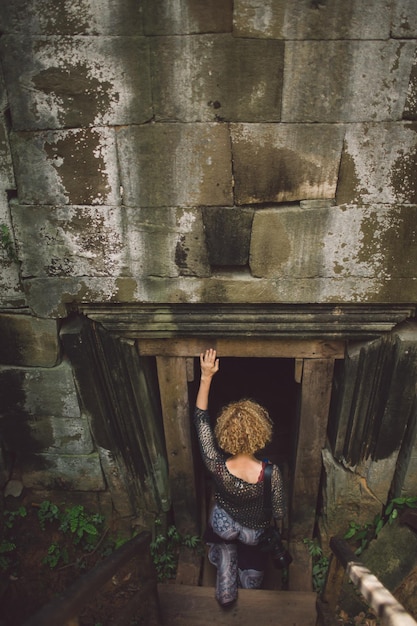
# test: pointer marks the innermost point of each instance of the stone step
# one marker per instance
(184, 605)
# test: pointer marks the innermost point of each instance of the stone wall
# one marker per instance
(194, 152)
(127, 122)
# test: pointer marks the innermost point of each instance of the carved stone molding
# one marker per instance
(350, 322)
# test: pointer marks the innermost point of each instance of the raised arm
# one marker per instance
(209, 367)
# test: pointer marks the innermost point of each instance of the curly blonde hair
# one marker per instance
(243, 427)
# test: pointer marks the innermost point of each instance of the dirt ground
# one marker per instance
(28, 584)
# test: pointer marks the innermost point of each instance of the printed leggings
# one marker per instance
(237, 558)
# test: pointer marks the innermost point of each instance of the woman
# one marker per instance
(237, 519)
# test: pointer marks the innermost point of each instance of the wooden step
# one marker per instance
(184, 605)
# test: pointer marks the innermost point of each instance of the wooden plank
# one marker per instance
(314, 410)
(183, 605)
(172, 376)
(334, 581)
(300, 572)
(189, 567)
(189, 364)
(243, 347)
(298, 370)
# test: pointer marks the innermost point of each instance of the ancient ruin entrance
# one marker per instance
(305, 368)
(111, 358)
(270, 382)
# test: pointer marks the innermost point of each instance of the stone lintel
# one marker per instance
(248, 321)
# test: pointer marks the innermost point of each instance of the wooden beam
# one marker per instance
(172, 375)
(298, 370)
(314, 410)
(247, 347)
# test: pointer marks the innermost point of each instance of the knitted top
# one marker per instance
(242, 500)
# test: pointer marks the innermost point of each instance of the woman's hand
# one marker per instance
(209, 366)
(209, 363)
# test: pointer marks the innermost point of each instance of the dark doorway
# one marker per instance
(270, 382)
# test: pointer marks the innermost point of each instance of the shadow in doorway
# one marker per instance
(268, 381)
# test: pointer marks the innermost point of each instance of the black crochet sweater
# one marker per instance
(242, 500)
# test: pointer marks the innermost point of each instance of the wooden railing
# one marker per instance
(344, 562)
(132, 558)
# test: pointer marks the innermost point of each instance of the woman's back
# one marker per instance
(245, 467)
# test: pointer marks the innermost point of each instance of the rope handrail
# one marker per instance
(387, 608)
(68, 604)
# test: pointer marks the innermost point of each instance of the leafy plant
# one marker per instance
(363, 534)
(6, 547)
(83, 526)
(78, 527)
(165, 549)
(320, 563)
(56, 554)
(48, 512)
(11, 516)
(6, 242)
(8, 552)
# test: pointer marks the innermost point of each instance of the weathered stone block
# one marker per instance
(409, 488)
(28, 340)
(60, 435)
(11, 291)
(77, 166)
(410, 108)
(285, 162)
(6, 168)
(193, 16)
(377, 242)
(3, 93)
(287, 242)
(47, 435)
(260, 19)
(404, 19)
(346, 498)
(217, 77)
(52, 297)
(64, 472)
(392, 555)
(379, 163)
(378, 475)
(84, 17)
(378, 74)
(228, 234)
(108, 241)
(333, 19)
(175, 165)
(59, 82)
(68, 241)
(165, 242)
(36, 392)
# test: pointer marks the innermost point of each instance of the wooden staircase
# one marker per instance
(189, 605)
